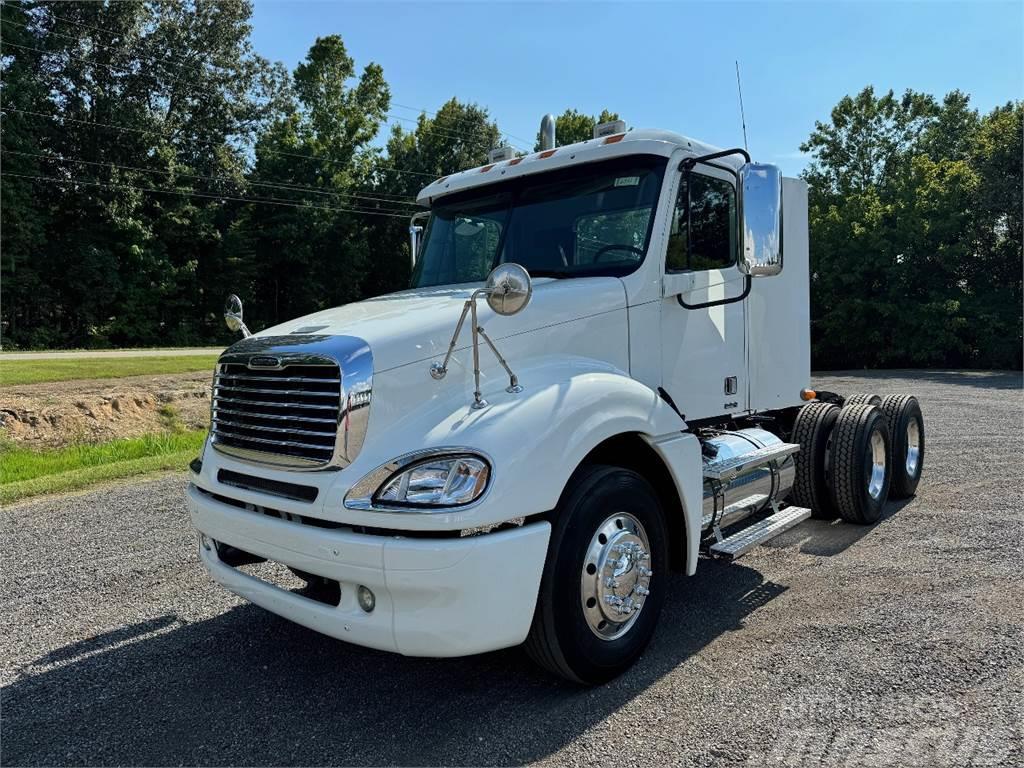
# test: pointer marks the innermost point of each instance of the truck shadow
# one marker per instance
(247, 687)
(825, 538)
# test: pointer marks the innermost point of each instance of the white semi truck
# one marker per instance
(600, 374)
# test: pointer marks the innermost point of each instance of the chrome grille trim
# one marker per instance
(314, 433)
(273, 404)
(286, 379)
(274, 416)
(325, 393)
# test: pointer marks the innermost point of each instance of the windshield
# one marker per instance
(588, 220)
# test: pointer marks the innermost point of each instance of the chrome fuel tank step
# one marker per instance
(744, 472)
(764, 530)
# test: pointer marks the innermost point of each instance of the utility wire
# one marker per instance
(452, 133)
(187, 193)
(48, 12)
(124, 70)
(396, 206)
(459, 122)
(165, 134)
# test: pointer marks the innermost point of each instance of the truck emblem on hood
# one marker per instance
(264, 361)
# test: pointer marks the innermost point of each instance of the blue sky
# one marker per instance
(663, 65)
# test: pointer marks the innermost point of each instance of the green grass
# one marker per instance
(67, 369)
(30, 471)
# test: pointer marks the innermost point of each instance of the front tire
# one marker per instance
(604, 579)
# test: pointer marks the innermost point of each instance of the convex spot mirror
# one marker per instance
(233, 313)
(761, 204)
(508, 289)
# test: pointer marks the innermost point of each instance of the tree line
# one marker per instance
(152, 162)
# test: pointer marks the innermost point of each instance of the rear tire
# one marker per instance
(906, 430)
(812, 428)
(860, 469)
(576, 634)
(862, 399)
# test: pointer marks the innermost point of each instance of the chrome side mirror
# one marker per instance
(508, 289)
(761, 207)
(233, 316)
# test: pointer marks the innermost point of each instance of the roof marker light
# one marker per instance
(515, 161)
(607, 129)
(486, 168)
(613, 139)
(498, 154)
(546, 153)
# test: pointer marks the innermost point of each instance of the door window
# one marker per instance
(703, 234)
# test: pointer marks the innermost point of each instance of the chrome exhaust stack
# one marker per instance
(547, 132)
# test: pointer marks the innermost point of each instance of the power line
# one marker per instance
(120, 51)
(451, 134)
(459, 121)
(397, 206)
(165, 134)
(125, 70)
(211, 196)
(66, 20)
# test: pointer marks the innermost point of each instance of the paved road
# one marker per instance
(900, 644)
(77, 354)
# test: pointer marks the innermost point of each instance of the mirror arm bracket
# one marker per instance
(439, 370)
(688, 162)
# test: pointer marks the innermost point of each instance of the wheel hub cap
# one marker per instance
(616, 576)
(876, 460)
(913, 447)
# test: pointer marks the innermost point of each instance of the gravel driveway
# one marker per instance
(898, 644)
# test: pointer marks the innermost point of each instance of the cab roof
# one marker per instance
(644, 141)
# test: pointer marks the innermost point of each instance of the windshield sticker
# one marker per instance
(627, 181)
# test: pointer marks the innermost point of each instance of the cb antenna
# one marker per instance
(743, 118)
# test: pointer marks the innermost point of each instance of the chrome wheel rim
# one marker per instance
(616, 576)
(876, 456)
(913, 447)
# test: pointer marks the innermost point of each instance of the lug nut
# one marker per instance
(641, 590)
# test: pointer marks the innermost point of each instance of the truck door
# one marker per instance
(703, 317)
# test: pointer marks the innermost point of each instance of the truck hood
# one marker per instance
(418, 324)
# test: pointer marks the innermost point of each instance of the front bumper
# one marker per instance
(435, 596)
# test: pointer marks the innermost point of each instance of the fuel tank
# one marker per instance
(751, 491)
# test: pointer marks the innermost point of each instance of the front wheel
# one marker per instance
(604, 579)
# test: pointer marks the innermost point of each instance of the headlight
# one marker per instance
(446, 481)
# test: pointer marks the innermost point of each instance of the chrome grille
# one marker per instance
(291, 412)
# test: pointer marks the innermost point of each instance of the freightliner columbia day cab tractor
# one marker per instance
(600, 374)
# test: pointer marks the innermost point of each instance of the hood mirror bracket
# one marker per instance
(508, 291)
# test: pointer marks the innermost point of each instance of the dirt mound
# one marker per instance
(59, 413)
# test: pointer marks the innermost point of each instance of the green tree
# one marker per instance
(913, 259)
(457, 137)
(148, 108)
(311, 251)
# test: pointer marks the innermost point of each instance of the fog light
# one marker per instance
(205, 542)
(366, 599)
